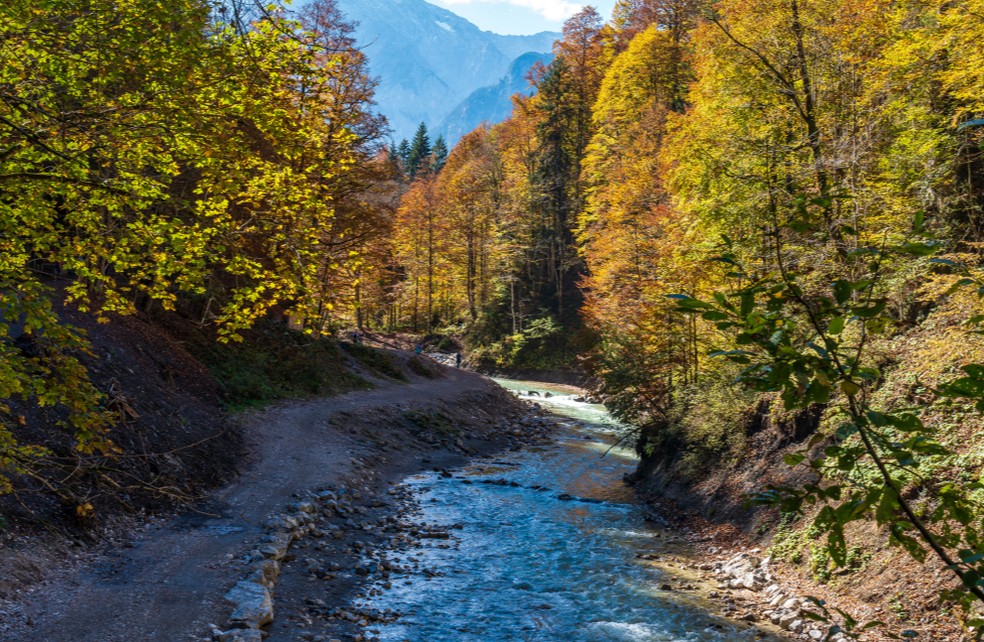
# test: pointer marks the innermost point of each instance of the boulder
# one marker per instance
(252, 604)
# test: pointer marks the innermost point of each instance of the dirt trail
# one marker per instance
(167, 583)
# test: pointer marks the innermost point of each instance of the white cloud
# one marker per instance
(557, 10)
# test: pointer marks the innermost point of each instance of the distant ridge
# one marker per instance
(430, 62)
(492, 103)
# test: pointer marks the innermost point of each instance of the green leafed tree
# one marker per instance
(153, 152)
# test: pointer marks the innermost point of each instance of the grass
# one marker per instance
(274, 362)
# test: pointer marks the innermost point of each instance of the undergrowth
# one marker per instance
(375, 360)
(796, 544)
(275, 362)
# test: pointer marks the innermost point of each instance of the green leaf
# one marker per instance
(794, 459)
(970, 557)
(836, 326)
(906, 422)
(869, 311)
(869, 374)
(849, 388)
(975, 370)
(959, 284)
(747, 304)
(921, 249)
(919, 221)
(842, 291)
(730, 353)
(714, 315)
(887, 506)
(689, 304)
(723, 302)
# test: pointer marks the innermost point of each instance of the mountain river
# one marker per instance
(559, 551)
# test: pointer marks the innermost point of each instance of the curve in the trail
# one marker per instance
(168, 584)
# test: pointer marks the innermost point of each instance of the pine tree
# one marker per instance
(439, 154)
(420, 151)
(403, 153)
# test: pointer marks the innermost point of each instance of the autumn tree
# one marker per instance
(364, 195)
(565, 94)
(163, 152)
(632, 239)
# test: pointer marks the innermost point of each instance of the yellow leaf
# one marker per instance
(849, 388)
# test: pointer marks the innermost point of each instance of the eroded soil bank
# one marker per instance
(882, 584)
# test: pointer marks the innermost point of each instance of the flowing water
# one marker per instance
(547, 550)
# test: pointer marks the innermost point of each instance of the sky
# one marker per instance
(521, 16)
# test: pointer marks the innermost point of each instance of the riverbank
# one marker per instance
(167, 578)
(767, 571)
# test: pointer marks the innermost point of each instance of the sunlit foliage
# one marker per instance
(152, 153)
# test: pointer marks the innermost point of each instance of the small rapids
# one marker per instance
(545, 547)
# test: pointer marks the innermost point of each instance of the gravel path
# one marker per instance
(167, 583)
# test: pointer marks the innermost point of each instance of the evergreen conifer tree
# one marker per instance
(420, 151)
(439, 154)
(403, 154)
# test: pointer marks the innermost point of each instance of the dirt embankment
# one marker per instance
(881, 584)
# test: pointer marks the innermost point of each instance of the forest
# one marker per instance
(719, 210)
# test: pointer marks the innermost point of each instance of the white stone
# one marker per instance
(252, 604)
(788, 618)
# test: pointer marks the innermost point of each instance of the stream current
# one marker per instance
(550, 555)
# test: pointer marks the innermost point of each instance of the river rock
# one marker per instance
(269, 571)
(305, 507)
(787, 618)
(238, 635)
(252, 604)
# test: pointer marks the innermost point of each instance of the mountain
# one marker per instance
(429, 60)
(492, 103)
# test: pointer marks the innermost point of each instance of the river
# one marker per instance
(546, 547)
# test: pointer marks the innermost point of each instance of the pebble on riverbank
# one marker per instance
(783, 608)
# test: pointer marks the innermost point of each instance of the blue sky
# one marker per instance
(521, 16)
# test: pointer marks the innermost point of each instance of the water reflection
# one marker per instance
(546, 550)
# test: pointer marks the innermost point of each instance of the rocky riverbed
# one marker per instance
(335, 545)
(545, 543)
